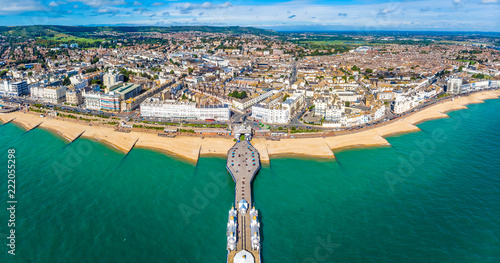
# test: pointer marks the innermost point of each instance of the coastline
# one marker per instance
(191, 148)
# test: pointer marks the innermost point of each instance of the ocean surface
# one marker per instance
(433, 196)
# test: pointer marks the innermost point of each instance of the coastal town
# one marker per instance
(250, 131)
(204, 83)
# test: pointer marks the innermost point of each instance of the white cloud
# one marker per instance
(54, 3)
(377, 16)
(100, 3)
(19, 6)
(157, 4)
(136, 3)
(386, 11)
(106, 10)
(490, 2)
(187, 8)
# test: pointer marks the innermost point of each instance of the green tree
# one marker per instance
(347, 104)
(66, 81)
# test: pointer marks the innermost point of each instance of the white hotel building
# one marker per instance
(51, 94)
(275, 114)
(404, 103)
(279, 113)
(92, 100)
(183, 110)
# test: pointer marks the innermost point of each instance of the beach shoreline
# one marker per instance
(191, 148)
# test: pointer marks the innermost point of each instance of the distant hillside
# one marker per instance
(80, 31)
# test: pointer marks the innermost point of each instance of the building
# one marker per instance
(254, 99)
(294, 103)
(110, 101)
(403, 103)
(37, 92)
(4, 87)
(126, 90)
(387, 95)
(18, 88)
(378, 111)
(454, 86)
(279, 112)
(92, 100)
(320, 106)
(271, 114)
(334, 114)
(349, 96)
(183, 110)
(74, 97)
(110, 79)
(54, 94)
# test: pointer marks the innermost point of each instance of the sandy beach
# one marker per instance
(191, 148)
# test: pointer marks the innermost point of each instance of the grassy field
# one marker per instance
(332, 42)
(68, 38)
(472, 62)
(462, 42)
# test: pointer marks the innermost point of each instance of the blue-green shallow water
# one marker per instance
(434, 196)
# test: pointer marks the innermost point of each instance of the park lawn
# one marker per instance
(333, 42)
(67, 38)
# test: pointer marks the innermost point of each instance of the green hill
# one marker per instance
(83, 31)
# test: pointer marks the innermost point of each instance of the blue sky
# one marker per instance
(439, 15)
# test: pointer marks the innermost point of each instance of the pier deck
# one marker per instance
(243, 162)
(243, 165)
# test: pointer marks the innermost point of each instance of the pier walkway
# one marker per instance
(243, 163)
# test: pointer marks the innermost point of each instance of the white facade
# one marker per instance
(51, 94)
(182, 110)
(109, 80)
(37, 92)
(14, 88)
(92, 100)
(454, 86)
(334, 114)
(278, 115)
(54, 94)
(294, 103)
(404, 103)
(320, 106)
(378, 112)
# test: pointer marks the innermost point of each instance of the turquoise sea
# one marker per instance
(433, 196)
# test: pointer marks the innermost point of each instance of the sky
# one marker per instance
(408, 15)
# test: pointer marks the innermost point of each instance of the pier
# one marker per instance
(243, 163)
